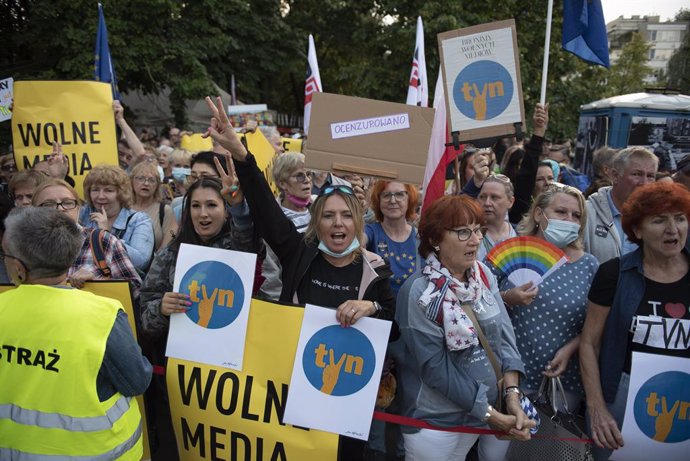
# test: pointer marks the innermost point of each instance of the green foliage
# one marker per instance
(364, 47)
(678, 75)
(628, 73)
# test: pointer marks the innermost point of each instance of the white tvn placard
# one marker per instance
(336, 373)
(371, 125)
(219, 284)
(657, 413)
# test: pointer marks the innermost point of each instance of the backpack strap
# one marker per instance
(482, 274)
(97, 251)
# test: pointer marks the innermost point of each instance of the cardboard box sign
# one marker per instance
(481, 74)
(368, 137)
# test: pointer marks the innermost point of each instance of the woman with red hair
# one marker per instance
(393, 237)
(636, 301)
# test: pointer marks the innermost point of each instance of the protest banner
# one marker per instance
(481, 74)
(292, 145)
(657, 413)
(5, 98)
(336, 372)
(368, 137)
(238, 415)
(265, 155)
(219, 284)
(195, 142)
(76, 114)
(120, 290)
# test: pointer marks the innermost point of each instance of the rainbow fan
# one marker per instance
(526, 259)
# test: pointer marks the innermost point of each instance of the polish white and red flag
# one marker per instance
(313, 82)
(418, 90)
(439, 155)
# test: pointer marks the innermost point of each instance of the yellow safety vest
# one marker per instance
(52, 343)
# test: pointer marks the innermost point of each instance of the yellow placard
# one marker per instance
(292, 145)
(265, 155)
(220, 413)
(116, 290)
(195, 142)
(77, 114)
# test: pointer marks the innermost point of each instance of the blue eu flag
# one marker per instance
(584, 31)
(103, 62)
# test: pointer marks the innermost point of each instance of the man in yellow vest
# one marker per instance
(69, 364)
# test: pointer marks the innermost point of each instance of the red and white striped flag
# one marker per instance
(313, 83)
(439, 156)
(418, 91)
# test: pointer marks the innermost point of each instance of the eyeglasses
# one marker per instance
(197, 176)
(68, 204)
(4, 255)
(146, 179)
(399, 196)
(329, 190)
(301, 177)
(465, 233)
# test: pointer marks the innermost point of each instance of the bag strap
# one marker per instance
(482, 339)
(98, 252)
(161, 213)
(120, 233)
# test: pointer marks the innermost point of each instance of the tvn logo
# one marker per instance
(339, 361)
(216, 293)
(483, 90)
(662, 407)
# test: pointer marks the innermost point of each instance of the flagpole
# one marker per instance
(547, 41)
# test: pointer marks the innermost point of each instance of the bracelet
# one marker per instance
(512, 390)
(487, 415)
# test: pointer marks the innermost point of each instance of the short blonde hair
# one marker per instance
(54, 182)
(180, 156)
(529, 225)
(109, 175)
(147, 168)
(285, 164)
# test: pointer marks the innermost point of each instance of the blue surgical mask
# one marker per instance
(180, 174)
(353, 246)
(561, 233)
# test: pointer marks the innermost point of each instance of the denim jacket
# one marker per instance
(614, 343)
(448, 388)
(136, 233)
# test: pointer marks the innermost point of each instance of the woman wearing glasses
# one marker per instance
(108, 193)
(549, 321)
(326, 265)
(447, 377)
(146, 186)
(56, 193)
(295, 183)
(496, 198)
(393, 237)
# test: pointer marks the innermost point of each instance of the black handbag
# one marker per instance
(555, 426)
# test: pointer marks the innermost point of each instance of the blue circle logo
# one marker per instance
(339, 361)
(216, 293)
(662, 407)
(483, 90)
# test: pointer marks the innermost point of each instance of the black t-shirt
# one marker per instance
(661, 324)
(329, 286)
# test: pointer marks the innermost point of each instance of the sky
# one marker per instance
(666, 9)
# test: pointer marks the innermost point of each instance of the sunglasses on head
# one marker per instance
(330, 190)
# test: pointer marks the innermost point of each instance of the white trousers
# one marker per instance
(431, 445)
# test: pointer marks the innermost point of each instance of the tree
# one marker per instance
(678, 74)
(630, 70)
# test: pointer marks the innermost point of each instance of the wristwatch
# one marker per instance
(377, 307)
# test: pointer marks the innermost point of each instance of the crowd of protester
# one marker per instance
(624, 233)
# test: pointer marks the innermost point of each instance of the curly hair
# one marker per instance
(109, 175)
(651, 200)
